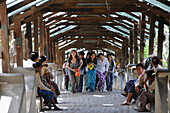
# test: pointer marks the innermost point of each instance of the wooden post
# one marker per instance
(160, 39)
(126, 53)
(48, 46)
(142, 39)
(36, 35)
(60, 57)
(45, 40)
(18, 42)
(135, 44)
(41, 35)
(152, 35)
(57, 54)
(131, 47)
(54, 51)
(169, 53)
(4, 37)
(123, 55)
(29, 36)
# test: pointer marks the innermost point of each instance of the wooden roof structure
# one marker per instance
(57, 25)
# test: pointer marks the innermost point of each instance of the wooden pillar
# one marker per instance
(57, 54)
(60, 57)
(142, 39)
(29, 36)
(48, 46)
(160, 39)
(135, 44)
(45, 40)
(4, 37)
(36, 35)
(152, 35)
(131, 47)
(41, 35)
(169, 53)
(126, 53)
(54, 51)
(18, 42)
(123, 55)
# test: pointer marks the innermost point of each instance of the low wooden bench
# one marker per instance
(12, 86)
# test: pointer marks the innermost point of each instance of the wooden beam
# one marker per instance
(17, 6)
(18, 42)
(152, 35)
(142, 39)
(29, 37)
(131, 47)
(160, 39)
(135, 44)
(4, 37)
(54, 52)
(36, 34)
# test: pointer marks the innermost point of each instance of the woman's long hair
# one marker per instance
(91, 55)
(77, 57)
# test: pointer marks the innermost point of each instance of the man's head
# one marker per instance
(140, 68)
(81, 54)
(42, 59)
(155, 61)
(100, 56)
(34, 56)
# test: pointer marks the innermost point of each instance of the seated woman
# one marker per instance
(43, 90)
(149, 95)
(47, 75)
(91, 73)
(135, 89)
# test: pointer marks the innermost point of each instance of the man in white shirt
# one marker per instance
(34, 57)
(102, 71)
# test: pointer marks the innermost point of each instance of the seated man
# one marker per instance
(149, 95)
(134, 91)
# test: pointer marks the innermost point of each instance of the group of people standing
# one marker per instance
(95, 71)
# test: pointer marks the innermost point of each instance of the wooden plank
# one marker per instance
(160, 39)
(4, 37)
(29, 37)
(142, 39)
(18, 42)
(41, 35)
(135, 44)
(36, 34)
(131, 47)
(152, 35)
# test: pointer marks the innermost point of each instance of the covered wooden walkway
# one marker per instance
(52, 27)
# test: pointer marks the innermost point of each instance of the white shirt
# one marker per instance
(102, 66)
(28, 63)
